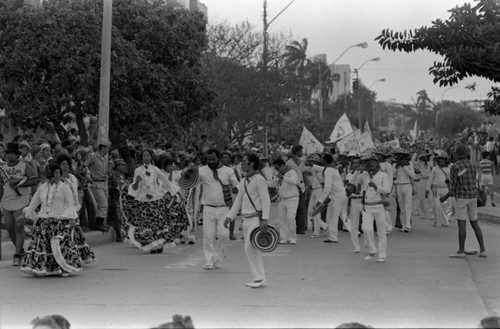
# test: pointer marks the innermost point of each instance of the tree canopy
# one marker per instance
(50, 66)
(468, 41)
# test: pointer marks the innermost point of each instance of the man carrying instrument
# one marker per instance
(15, 181)
(335, 191)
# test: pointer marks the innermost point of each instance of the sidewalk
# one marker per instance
(489, 213)
(93, 238)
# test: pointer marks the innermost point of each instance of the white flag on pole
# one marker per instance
(342, 129)
(349, 144)
(309, 143)
(413, 133)
(367, 128)
(365, 142)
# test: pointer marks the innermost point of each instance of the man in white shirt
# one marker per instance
(404, 173)
(334, 190)
(375, 183)
(316, 180)
(216, 205)
(297, 164)
(288, 185)
(254, 204)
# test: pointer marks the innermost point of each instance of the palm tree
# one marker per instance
(423, 102)
(296, 60)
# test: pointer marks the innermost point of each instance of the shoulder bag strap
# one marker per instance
(248, 195)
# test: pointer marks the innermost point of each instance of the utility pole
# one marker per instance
(264, 70)
(320, 100)
(103, 126)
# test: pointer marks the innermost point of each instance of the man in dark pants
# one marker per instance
(297, 164)
(116, 182)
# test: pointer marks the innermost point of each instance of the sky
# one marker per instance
(331, 26)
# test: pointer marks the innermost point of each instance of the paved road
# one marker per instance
(311, 284)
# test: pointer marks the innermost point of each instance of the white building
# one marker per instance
(191, 5)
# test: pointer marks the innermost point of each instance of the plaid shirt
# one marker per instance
(463, 179)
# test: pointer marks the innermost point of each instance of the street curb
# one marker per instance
(489, 218)
(93, 238)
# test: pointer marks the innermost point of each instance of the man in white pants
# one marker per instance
(404, 173)
(215, 208)
(316, 179)
(375, 183)
(335, 191)
(355, 206)
(288, 192)
(254, 204)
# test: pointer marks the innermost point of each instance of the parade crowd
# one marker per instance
(157, 196)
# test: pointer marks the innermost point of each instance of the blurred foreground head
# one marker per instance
(178, 321)
(51, 322)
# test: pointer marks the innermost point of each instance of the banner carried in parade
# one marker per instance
(358, 142)
(413, 133)
(342, 129)
(367, 128)
(394, 144)
(309, 143)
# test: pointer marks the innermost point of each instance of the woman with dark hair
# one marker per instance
(65, 163)
(150, 207)
(53, 250)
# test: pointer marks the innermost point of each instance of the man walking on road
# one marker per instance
(215, 178)
(254, 202)
(289, 201)
(463, 186)
(297, 164)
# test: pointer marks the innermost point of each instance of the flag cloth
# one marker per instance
(342, 129)
(365, 142)
(349, 144)
(367, 128)
(309, 143)
(394, 144)
(413, 133)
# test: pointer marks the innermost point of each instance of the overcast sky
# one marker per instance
(331, 26)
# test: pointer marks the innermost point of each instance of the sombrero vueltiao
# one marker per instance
(264, 241)
(189, 178)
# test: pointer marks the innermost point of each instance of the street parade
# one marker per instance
(159, 170)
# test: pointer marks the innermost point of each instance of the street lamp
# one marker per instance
(356, 71)
(373, 106)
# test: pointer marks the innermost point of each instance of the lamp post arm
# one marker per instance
(274, 18)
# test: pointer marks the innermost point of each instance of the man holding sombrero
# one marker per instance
(254, 204)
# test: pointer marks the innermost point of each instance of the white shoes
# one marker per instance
(257, 284)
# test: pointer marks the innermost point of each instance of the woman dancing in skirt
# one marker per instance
(152, 208)
(53, 250)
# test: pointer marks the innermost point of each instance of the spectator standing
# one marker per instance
(97, 164)
(297, 164)
(15, 187)
(464, 185)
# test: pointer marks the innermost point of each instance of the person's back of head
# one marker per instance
(490, 322)
(485, 154)
(178, 322)
(54, 321)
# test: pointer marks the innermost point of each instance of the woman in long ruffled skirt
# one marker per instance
(153, 208)
(53, 250)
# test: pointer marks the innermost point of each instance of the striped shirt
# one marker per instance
(486, 166)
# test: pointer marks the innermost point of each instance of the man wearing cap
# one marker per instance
(15, 181)
(296, 163)
(404, 173)
(116, 182)
(463, 186)
(98, 164)
(254, 204)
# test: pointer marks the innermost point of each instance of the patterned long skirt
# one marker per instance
(53, 250)
(153, 224)
(86, 253)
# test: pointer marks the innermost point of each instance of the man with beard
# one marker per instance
(216, 180)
